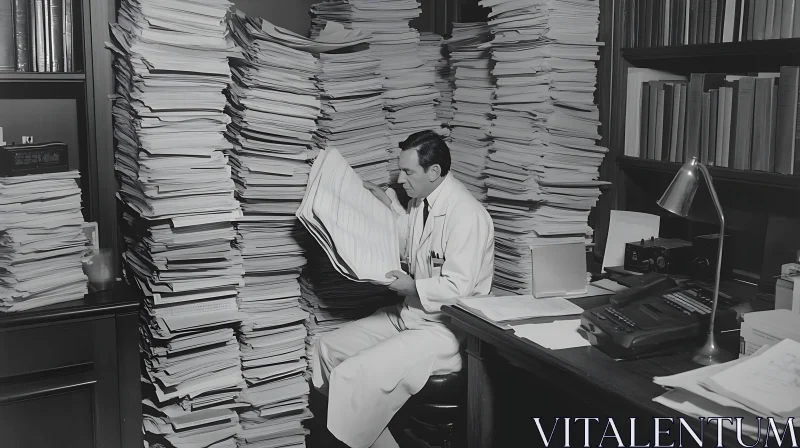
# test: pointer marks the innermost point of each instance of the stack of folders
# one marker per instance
(332, 300)
(543, 169)
(472, 106)
(409, 93)
(761, 389)
(41, 241)
(38, 35)
(273, 104)
(171, 67)
(504, 311)
(352, 118)
(762, 328)
(431, 46)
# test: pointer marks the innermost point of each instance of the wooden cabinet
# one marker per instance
(69, 374)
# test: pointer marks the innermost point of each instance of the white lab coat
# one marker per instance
(369, 368)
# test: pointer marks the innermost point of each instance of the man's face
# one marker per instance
(417, 182)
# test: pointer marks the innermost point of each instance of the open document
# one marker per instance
(357, 232)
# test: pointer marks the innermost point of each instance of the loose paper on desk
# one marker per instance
(768, 383)
(627, 227)
(559, 270)
(556, 335)
(510, 308)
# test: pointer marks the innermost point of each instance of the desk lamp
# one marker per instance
(678, 199)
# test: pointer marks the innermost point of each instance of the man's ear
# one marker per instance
(434, 172)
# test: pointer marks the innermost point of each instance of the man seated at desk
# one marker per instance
(371, 367)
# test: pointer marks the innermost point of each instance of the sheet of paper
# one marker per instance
(556, 335)
(356, 230)
(769, 382)
(625, 227)
(609, 285)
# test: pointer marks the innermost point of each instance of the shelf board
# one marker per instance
(750, 56)
(773, 180)
(41, 77)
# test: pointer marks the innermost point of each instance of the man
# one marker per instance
(369, 368)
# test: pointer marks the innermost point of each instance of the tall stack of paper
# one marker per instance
(433, 51)
(274, 102)
(543, 167)
(171, 68)
(41, 241)
(410, 95)
(353, 120)
(472, 107)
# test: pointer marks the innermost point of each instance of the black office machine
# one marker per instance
(21, 160)
(661, 255)
(654, 316)
(704, 259)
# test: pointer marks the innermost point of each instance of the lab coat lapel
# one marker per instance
(438, 210)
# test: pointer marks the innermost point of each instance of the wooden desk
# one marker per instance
(623, 386)
(69, 373)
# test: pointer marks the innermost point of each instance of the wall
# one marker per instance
(290, 14)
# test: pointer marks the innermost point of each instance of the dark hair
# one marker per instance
(431, 150)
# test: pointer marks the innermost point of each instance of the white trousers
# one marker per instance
(369, 368)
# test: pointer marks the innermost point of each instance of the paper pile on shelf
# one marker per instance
(274, 103)
(755, 388)
(42, 241)
(410, 95)
(171, 67)
(433, 51)
(353, 120)
(332, 300)
(472, 104)
(543, 167)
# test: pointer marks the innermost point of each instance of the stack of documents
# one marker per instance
(506, 310)
(42, 241)
(357, 232)
(176, 427)
(760, 328)
(755, 388)
(171, 67)
(274, 104)
(332, 300)
(472, 108)
(433, 51)
(410, 95)
(542, 171)
(353, 120)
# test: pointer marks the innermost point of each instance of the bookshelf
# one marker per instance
(73, 107)
(761, 207)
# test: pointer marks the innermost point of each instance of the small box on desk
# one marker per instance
(661, 255)
(704, 260)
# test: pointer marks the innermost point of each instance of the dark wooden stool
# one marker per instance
(436, 416)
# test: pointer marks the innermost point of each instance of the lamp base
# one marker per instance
(710, 353)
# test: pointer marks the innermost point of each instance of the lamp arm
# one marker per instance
(715, 199)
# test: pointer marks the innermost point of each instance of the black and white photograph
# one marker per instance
(399, 223)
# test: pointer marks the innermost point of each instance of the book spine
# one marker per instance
(22, 36)
(57, 35)
(7, 59)
(69, 58)
(40, 42)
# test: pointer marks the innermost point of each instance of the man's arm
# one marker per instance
(464, 256)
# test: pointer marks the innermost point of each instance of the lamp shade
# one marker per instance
(679, 195)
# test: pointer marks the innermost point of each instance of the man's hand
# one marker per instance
(404, 284)
(378, 193)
